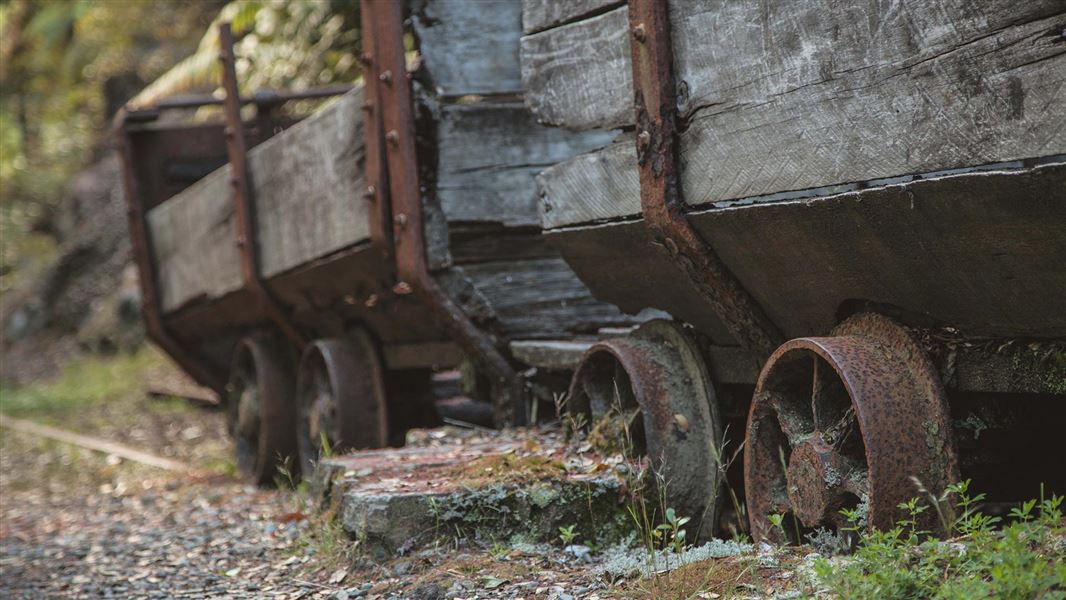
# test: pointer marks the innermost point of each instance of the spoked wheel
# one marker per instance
(340, 398)
(851, 421)
(651, 391)
(261, 417)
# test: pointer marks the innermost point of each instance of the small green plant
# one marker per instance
(567, 534)
(778, 521)
(1024, 559)
(499, 551)
(671, 534)
(325, 448)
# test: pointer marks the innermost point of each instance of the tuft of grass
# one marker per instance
(509, 468)
(84, 383)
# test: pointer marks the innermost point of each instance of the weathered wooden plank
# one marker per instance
(540, 298)
(538, 15)
(796, 96)
(307, 184)
(470, 47)
(578, 76)
(488, 156)
(550, 354)
(194, 235)
(592, 187)
(981, 252)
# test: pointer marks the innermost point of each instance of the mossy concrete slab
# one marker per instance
(394, 500)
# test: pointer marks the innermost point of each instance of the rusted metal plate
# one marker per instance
(858, 420)
(236, 147)
(406, 200)
(660, 192)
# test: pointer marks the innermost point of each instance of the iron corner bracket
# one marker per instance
(396, 119)
(655, 99)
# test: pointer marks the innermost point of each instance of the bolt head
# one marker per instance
(402, 288)
(639, 32)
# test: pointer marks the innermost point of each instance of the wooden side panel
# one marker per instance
(488, 156)
(540, 298)
(797, 94)
(470, 47)
(597, 186)
(307, 183)
(538, 15)
(195, 239)
(578, 75)
(982, 252)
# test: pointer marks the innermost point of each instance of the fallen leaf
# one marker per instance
(491, 583)
(338, 576)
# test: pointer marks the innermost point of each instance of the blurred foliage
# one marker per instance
(67, 65)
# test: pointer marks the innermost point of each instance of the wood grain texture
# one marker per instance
(982, 252)
(538, 15)
(578, 75)
(540, 298)
(488, 156)
(802, 94)
(307, 185)
(470, 47)
(596, 186)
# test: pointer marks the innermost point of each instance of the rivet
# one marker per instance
(371, 193)
(643, 139)
(386, 76)
(639, 33)
(392, 137)
(368, 107)
(365, 58)
(241, 241)
(349, 299)
(371, 301)
(402, 288)
(401, 220)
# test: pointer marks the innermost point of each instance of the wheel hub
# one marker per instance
(815, 474)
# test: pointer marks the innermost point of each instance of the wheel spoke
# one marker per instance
(795, 423)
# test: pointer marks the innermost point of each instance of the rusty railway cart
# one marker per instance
(317, 271)
(858, 209)
(830, 239)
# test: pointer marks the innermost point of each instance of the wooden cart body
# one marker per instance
(909, 158)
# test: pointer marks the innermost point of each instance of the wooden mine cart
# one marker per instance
(317, 272)
(829, 238)
(858, 208)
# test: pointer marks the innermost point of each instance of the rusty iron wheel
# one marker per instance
(260, 409)
(340, 397)
(851, 421)
(655, 384)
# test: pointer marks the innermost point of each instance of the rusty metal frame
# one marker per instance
(144, 256)
(244, 204)
(379, 206)
(397, 118)
(660, 190)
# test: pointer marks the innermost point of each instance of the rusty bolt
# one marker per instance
(643, 139)
(228, 131)
(364, 58)
(349, 299)
(371, 301)
(371, 193)
(639, 33)
(392, 137)
(402, 288)
(368, 106)
(241, 241)
(386, 76)
(401, 220)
